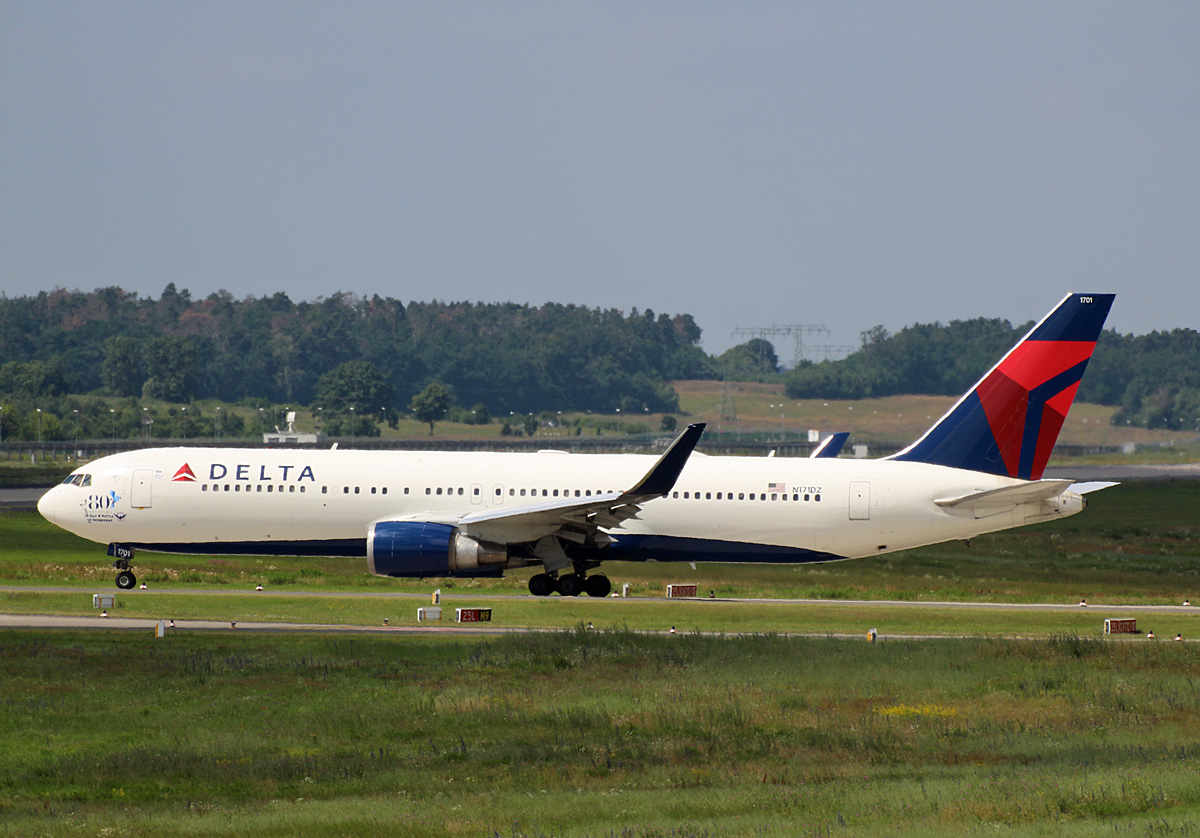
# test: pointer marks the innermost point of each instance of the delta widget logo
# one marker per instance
(184, 475)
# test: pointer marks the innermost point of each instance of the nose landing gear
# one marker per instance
(124, 555)
(125, 579)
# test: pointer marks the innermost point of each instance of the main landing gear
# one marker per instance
(570, 584)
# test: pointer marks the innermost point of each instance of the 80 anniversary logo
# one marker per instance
(101, 508)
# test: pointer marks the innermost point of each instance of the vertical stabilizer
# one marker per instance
(1008, 423)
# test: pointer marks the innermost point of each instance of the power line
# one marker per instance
(797, 331)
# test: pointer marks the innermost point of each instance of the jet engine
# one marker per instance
(422, 549)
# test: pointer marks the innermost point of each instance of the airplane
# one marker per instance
(978, 469)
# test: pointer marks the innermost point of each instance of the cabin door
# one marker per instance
(142, 491)
(860, 501)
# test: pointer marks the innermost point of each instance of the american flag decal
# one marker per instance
(777, 487)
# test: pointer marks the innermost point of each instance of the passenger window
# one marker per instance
(291, 489)
(817, 498)
(324, 490)
(203, 487)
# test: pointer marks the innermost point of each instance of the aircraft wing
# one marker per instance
(582, 520)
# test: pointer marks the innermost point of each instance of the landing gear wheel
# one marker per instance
(570, 585)
(597, 586)
(541, 584)
(126, 580)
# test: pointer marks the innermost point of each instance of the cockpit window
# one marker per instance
(78, 480)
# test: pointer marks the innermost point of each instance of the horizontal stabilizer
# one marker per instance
(1017, 494)
(1092, 486)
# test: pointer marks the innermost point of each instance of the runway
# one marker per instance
(97, 622)
(474, 598)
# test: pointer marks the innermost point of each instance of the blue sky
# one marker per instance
(751, 164)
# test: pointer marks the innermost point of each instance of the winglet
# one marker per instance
(661, 478)
(830, 447)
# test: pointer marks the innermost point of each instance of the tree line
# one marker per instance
(364, 360)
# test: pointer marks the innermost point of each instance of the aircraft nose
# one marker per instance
(46, 504)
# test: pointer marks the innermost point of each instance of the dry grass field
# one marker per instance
(897, 419)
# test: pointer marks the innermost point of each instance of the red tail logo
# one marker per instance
(184, 475)
(1008, 423)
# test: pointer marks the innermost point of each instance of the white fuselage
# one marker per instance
(321, 502)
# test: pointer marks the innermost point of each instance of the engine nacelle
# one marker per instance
(422, 549)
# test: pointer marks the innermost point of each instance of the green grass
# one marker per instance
(594, 733)
(621, 731)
